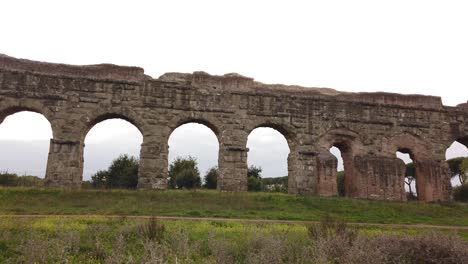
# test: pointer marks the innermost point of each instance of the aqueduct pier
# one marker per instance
(368, 128)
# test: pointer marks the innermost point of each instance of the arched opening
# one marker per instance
(109, 141)
(193, 156)
(267, 160)
(411, 186)
(25, 139)
(340, 176)
(457, 159)
(344, 177)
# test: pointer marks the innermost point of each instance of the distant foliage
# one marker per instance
(340, 183)
(122, 173)
(460, 193)
(278, 184)
(254, 180)
(211, 178)
(459, 168)
(183, 173)
(12, 179)
(409, 179)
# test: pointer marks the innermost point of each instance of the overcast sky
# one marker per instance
(410, 47)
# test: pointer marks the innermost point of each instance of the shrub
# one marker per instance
(183, 173)
(254, 180)
(12, 179)
(122, 173)
(460, 193)
(211, 178)
(340, 184)
(152, 230)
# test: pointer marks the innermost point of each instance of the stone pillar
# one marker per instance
(64, 164)
(152, 173)
(378, 177)
(326, 174)
(232, 162)
(432, 180)
(302, 171)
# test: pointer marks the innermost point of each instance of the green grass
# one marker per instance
(202, 203)
(81, 239)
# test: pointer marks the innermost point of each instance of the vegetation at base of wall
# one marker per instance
(212, 203)
(122, 173)
(340, 184)
(277, 184)
(12, 179)
(459, 168)
(460, 193)
(183, 174)
(124, 240)
(211, 178)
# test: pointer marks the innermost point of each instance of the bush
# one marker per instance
(152, 230)
(211, 178)
(12, 179)
(183, 173)
(122, 173)
(460, 193)
(340, 184)
(278, 184)
(254, 180)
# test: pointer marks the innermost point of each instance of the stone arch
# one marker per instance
(284, 129)
(90, 121)
(212, 125)
(406, 143)
(203, 157)
(31, 106)
(463, 141)
(349, 143)
(44, 113)
(431, 172)
(290, 137)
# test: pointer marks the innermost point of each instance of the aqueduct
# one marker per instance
(367, 127)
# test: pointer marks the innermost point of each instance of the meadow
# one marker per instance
(39, 225)
(100, 239)
(205, 203)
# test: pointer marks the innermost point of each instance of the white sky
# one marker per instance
(411, 47)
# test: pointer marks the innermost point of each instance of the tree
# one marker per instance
(183, 173)
(409, 178)
(457, 169)
(463, 175)
(254, 180)
(211, 178)
(122, 173)
(340, 184)
(254, 171)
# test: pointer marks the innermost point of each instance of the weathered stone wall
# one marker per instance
(367, 127)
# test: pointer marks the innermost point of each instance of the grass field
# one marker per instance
(100, 239)
(202, 203)
(81, 226)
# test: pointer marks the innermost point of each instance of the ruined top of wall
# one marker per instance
(230, 82)
(94, 72)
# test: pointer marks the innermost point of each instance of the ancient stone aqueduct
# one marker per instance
(368, 128)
